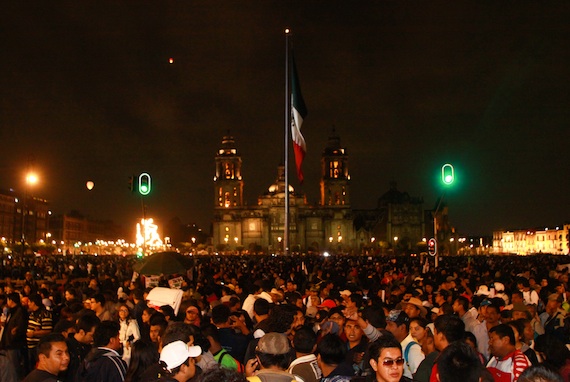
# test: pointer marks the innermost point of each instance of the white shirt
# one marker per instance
(415, 356)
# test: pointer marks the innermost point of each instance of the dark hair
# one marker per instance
(504, 330)
(168, 311)
(14, 296)
(519, 326)
(554, 350)
(357, 299)
(304, 340)
(459, 359)
(331, 349)
(210, 330)
(421, 321)
(261, 306)
(220, 314)
(219, 373)
(375, 315)
(281, 318)
(104, 332)
(36, 299)
(384, 342)
(539, 373)
(143, 355)
(99, 297)
(471, 337)
(464, 302)
(177, 331)
(451, 326)
(63, 326)
(44, 346)
(87, 321)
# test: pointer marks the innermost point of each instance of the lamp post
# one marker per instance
(31, 179)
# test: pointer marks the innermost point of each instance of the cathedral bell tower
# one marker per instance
(335, 178)
(228, 182)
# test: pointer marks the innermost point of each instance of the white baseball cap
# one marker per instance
(176, 353)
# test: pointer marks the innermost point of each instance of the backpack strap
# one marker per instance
(407, 352)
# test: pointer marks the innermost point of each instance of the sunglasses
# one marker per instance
(391, 362)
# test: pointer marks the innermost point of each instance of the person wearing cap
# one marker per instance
(272, 358)
(552, 318)
(398, 323)
(414, 308)
(179, 361)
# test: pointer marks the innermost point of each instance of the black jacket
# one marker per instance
(102, 365)
(17, 318)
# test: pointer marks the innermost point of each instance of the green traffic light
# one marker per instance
(447, 174)
(144, 184)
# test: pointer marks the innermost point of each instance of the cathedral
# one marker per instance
(329, 226)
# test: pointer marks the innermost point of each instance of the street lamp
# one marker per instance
(31, 179)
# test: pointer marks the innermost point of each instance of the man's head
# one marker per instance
(53, 355)
(554, 302)
(459, 359)
(447, 329)
(493, 314)
(98, 302)
(414, 308)
(12, 299)
(179, 360)
(305, 340)
(520, 311)
(273, 350)
(501, 340)
(85, 328)
(221, 315)
(331, 351)
(353, 331)
(158, 325)
(398, 323)
(35, 302)
(386, 359)
(107, 335)
(461, 305)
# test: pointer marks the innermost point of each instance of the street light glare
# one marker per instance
(32, 179)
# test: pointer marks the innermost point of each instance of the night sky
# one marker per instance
(87, 93)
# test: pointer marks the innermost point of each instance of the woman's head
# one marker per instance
(418, 328)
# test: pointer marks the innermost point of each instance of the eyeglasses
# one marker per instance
(391, 362)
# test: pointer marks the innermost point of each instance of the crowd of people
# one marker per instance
(287, 318)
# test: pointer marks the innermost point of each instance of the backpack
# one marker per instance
(407, 352)
(240, 366)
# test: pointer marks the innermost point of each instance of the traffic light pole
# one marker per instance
(435, 226)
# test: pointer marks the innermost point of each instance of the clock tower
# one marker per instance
(335, 178)
(228, 182)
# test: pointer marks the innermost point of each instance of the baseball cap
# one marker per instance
(328, 303)
(273, 343)
(176, 353)
(398, 316)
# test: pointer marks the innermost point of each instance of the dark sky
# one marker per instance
(87, 93)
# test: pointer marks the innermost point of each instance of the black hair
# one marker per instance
(539, 373)
(357, 299)
(220, 314)
(104, 332)
(63, 326)
(14, 296)
(304, 340)
(384, 342)
(168, 311)
(143, 355)
(554, 351)
(261, 306)
(331, 349)
(463, 301)
(219, 373)
(504, 330)
(281, 318)
(459, 359)
(44, 346)
(210, 330)
(375, 315)
(451, 326)
(87, 321)
(36, 299)
(99, 297)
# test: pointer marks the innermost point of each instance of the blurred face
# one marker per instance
(493, 316)
(528, 333)
(338, 318)
(123, 312)
(154, 333)
(411, 310)
(87, 338)
(389, 366)
(145, 317)
(417, 331)
(496, 345)
(353, 331)
(68, 296)
(191, 314)
(299, 319)
(58, 358)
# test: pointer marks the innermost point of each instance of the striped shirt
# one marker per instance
(38, 320)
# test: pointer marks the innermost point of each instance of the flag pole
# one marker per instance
(287, 127)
